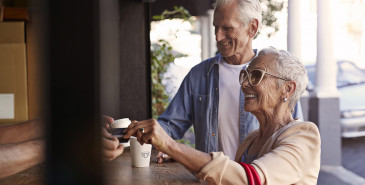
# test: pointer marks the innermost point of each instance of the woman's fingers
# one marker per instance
(161, 157)
(146, 137)
(139, 138)
(152, 133)
(134, 127)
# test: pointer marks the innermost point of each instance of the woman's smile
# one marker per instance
(249, 97)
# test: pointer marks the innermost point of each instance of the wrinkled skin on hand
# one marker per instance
(153, 134)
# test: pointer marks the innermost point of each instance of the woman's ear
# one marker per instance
(289, 89)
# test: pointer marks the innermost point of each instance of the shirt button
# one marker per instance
(216, 88)
(200, 98)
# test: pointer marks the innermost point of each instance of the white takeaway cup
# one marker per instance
(140, 154)
(117, 128)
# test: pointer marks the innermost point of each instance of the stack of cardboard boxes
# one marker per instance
(13, 73)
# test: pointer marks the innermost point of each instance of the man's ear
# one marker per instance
(289, 88)
(253, 27)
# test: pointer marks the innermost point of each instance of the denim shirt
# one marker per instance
(196, 103)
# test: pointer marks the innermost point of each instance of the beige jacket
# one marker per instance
(290, 156)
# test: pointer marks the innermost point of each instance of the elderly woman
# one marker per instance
(281, 151)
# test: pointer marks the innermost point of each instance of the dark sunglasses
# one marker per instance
(255, 76)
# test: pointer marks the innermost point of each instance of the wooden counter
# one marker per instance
(120, 171)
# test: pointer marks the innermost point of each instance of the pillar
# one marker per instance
(324, 102)
(294, 28)
(212, 41)
(204, 32)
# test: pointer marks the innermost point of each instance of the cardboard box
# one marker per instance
(34, 66)
(15, 14)
(12, 32)
(13, 74)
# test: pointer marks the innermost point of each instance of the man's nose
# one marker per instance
(219, 35)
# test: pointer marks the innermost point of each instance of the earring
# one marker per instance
(285, 100)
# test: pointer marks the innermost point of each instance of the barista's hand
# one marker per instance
(107, 121)
(111, 148)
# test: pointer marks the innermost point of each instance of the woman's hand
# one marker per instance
(154, 134)
(162, 157)
(150, 132)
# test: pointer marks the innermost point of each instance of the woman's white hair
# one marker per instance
(291, 68)
(249, 10)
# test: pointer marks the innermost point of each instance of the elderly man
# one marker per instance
(210, 98)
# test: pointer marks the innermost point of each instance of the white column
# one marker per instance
(325, 111)
(294, 28)
(212, 42)
(326, 64)
(204, 32)
(362, 43)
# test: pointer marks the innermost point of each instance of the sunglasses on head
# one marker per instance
(255, 76)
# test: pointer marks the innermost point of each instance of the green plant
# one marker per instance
(179, 12)
(269, 20)
(161, 57)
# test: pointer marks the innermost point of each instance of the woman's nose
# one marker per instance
(245, 84)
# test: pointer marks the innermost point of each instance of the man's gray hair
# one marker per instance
(249, 10)
(291, 68)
